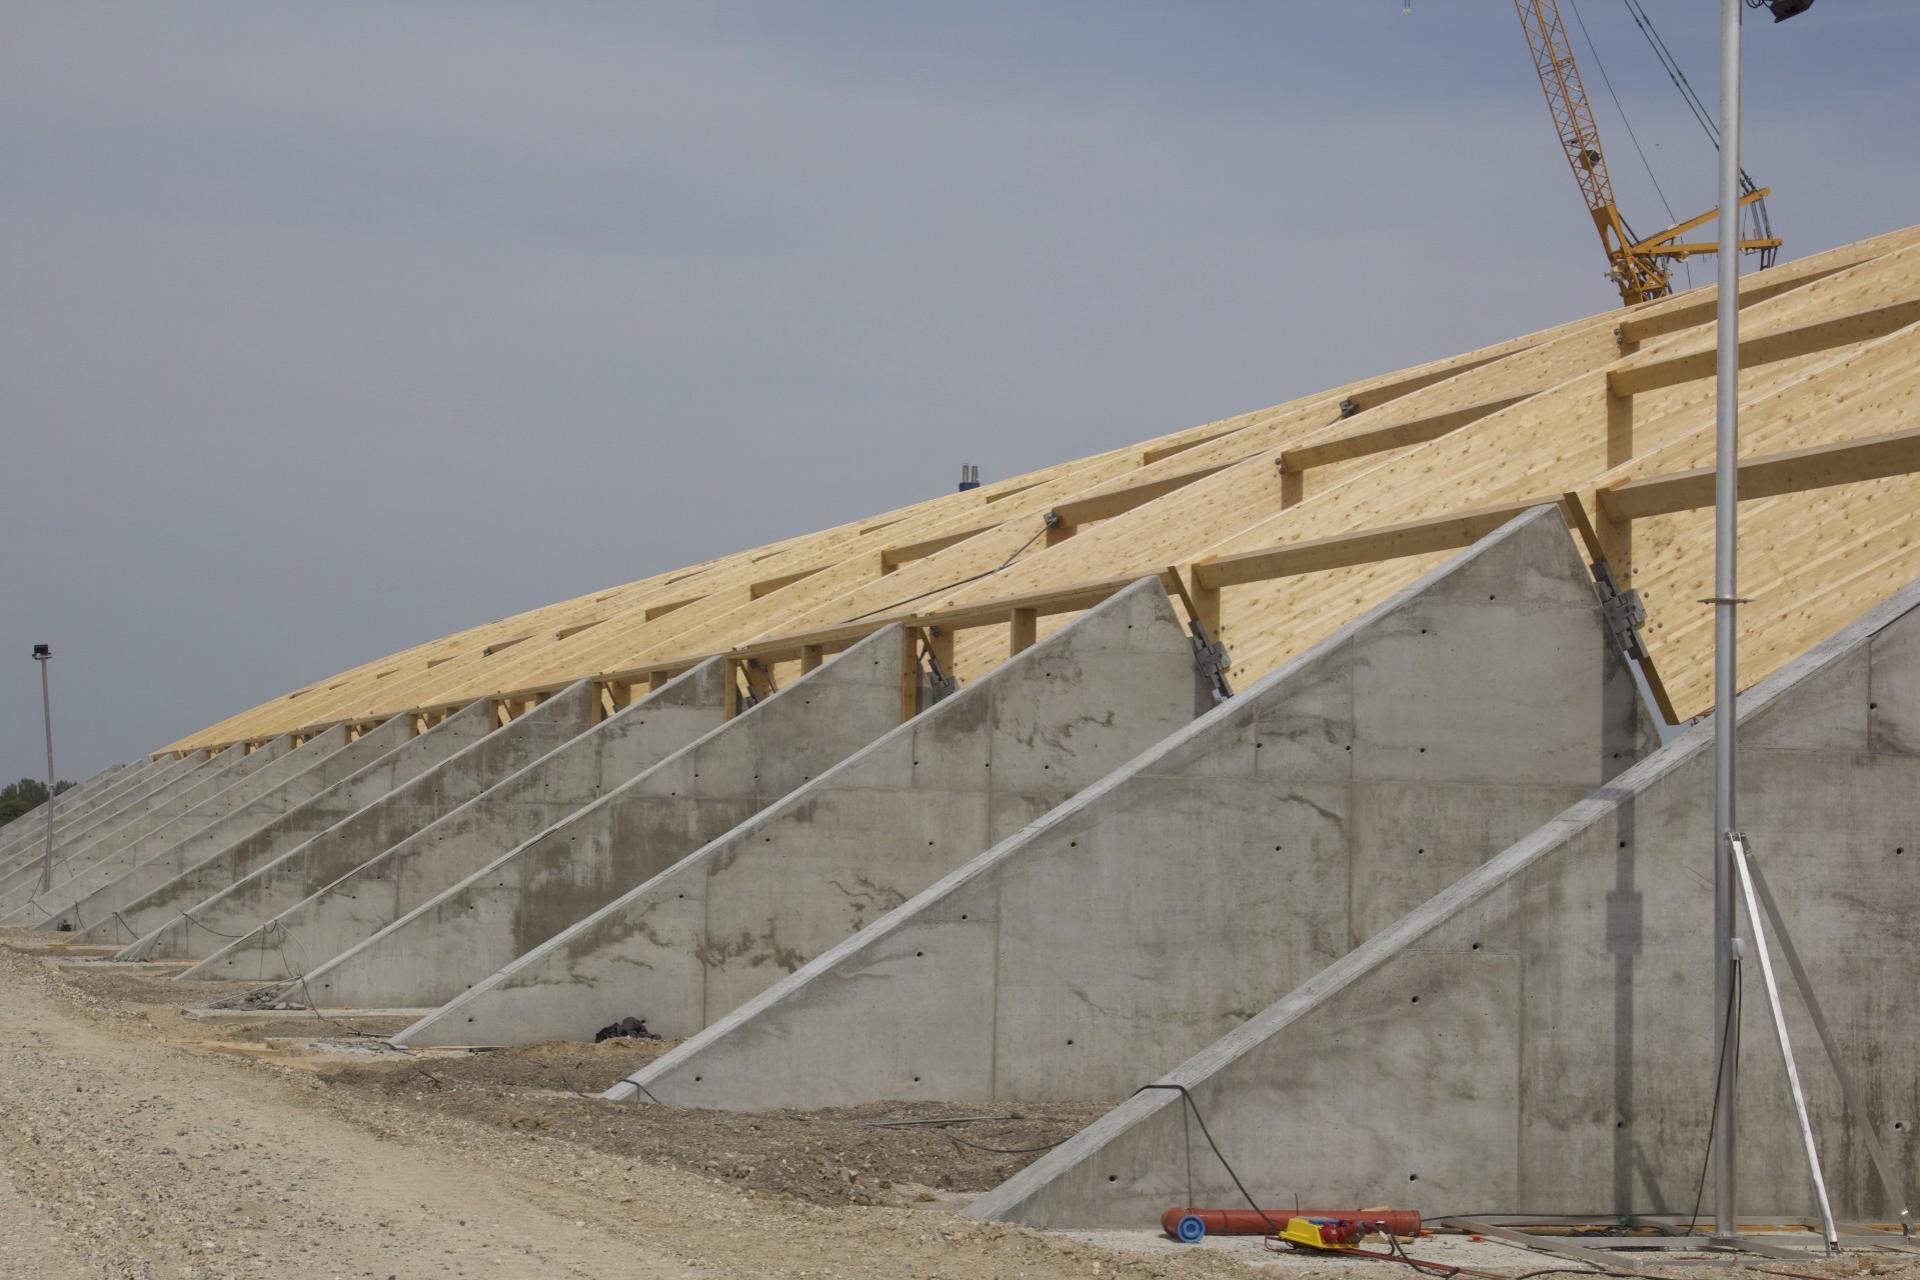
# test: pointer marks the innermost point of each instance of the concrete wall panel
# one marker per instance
(1539, 1034)
(1162, 907)
(342, 886)
(843, 849)
(459, 918)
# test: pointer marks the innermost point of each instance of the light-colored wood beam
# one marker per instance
(1817, 467)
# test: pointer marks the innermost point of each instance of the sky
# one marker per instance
(327, 329)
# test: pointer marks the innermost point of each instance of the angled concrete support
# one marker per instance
(1538, 1036)
(128, 804)
(79, 811)
(399, 793)
(161, 805)
(721, 925)
(1157, 910)
(346, 883)
(73, 800)
(191, 808)
(311, 800)
(446, 939)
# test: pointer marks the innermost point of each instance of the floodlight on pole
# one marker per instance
(43, 654)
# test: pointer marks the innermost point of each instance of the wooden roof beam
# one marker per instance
(892, 558)
(1116, 502)
(1769, 476)
(1397, 435)
(767, 586)
(1801, 340)
(1362, 546)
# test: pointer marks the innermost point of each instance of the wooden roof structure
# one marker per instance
(1278, 526)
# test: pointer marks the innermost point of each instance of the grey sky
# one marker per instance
(331, 328)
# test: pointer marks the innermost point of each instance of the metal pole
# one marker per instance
(46, 714)
(1726, 497)
(1736, 845)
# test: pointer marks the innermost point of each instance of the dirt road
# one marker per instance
(126, 1154)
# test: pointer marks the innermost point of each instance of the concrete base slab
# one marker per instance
(352, 881)
(732, 918)
(1539, 1034)
(1157, 910)
(490, 910)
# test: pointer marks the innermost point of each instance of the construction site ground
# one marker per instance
(144, 1141)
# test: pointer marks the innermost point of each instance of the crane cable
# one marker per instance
(1645, 163)
(1703, 117)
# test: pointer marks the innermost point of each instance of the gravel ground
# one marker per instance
(142, 1144)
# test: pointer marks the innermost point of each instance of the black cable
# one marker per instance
(1205, 1133)
(1608, 81)
(1713, 1117)
(1003, 1151)
(888, 608)
(215, 932)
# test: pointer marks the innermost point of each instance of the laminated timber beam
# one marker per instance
(1364, 546)
(1769, 476)
(1800, 340)
(1117, 502)
(1399, 435)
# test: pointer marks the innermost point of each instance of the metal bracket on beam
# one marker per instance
(1211, 657)
(1623, 611)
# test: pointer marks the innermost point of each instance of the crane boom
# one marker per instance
(1639, 267)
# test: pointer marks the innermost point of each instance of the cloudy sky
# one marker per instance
(327, 328)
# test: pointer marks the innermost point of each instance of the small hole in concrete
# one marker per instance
(963, 915)
(1423, 751)
(1899, 1125)
(696, 1079)
(1413, 1177)
(916, 1079)
(1489, 597)
(1416, 1000)
(1349, 748)
(929, 844)
(1069, 1040)
(1873, 706)
(1900, 850)
(1474, 947)
(1619, 1124)
(1113, 1177)
(1073, 844)
(1419, 850)
(1623, 844)
(919, 953)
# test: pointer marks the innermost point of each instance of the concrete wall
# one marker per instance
(397, 795)
(159, 803)
(73, 800)
(344, 884)
(1157, 910)
(1539, 1035)
(183, 800)
(230, 808)
(312, 800)
(723, 924)
(133, 805)
(441, 943)
(14, 839)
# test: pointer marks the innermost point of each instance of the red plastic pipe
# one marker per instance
(1245, 1222)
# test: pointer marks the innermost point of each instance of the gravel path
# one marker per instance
(126, 1155)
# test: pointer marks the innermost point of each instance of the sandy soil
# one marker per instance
(138, 1142)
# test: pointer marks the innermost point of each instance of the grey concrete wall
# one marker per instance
(161, 803)
(397, 792)
(69, 817)
(440, 943)
(1539, 1035)
(1157, 910)
(752, 906)
(127, 804)
(342, 886)
(69, 802)
(192, 808)
(369, 767)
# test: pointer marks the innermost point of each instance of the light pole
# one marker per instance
(1726, 602)
(43, 654)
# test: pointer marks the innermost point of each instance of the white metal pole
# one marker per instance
(1726, 498)
(46, 715)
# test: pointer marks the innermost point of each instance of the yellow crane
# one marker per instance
(1642, 268)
